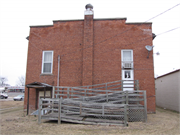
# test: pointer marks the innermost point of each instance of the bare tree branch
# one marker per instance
(3, 80)
(21, 81)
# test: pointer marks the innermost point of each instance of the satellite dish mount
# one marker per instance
(149, 48)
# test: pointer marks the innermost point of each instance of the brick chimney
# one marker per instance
(88, 46)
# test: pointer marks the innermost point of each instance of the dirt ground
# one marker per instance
(14, 122)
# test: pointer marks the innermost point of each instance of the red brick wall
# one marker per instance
(91, 53)
(88, 51)
(110, 37)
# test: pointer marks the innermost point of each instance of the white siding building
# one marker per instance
(168, 90)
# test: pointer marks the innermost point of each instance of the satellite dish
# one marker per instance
(149, 48)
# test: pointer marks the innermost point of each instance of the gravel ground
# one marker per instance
(14, 122)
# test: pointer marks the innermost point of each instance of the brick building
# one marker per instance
(91, 51)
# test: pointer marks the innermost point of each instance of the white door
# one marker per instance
(127, 78)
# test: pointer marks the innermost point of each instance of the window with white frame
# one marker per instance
(47, 62)
(127, 55)
(127, 59)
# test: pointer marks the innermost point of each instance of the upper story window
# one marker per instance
(127, 59)
(47, 62)
(127, 55)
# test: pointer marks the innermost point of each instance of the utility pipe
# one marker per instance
(58, 70)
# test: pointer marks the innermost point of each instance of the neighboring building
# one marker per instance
(92, 51)
(168, 90)
(16, 88)
(2, 88)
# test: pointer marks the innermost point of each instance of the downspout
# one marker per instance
(58, 70)
(57, 77)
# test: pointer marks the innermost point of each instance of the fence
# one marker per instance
(93, 90)
(82, 112)
(95, 104)
(115, 85)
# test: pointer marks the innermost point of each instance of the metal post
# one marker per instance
(58, 70)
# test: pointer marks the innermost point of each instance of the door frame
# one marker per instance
(127, 79)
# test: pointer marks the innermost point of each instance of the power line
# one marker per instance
(125, 30)
(130, 43)
(163, 12)
(167, 31)
(118, 33)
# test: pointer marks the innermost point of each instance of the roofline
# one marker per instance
(68, 20)
(38, 85)
(41, 26)
(139, 23)
(98, 19)
(168, 73)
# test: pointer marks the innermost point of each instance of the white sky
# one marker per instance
(17, 15)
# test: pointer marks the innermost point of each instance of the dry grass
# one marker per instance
(13, 121)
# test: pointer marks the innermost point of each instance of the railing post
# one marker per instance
(106, 93)
(102, 109)
(137, 84)
(39, 111)
(125, 115)
(68, 93)
(80, 108)
(127, 98)
(72, 93)
(121, 85)
(123, 97)
(53, 91)
(59, 112)
(145, 107)
(52, 106)
(58, 93)
(85, 92)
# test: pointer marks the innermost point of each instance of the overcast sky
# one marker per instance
(17, 15)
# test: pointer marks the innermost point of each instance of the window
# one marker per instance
(127, 74)
(127, 55)
(47, 62)
(127, 59)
